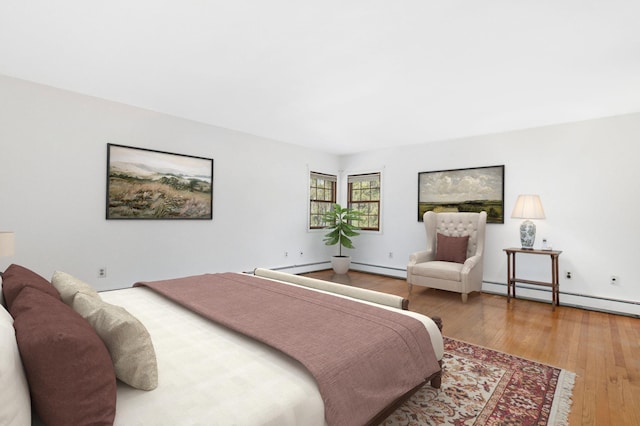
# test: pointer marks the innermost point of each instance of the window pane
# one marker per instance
(322, 191)
(364, 195)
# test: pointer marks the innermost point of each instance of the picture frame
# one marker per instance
(473, 189)
(148, 184)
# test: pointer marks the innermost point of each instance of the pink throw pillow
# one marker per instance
(452, 249)
(17, 277)
(69, 370)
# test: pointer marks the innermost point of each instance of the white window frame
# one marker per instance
(326, 176)
(347, 196)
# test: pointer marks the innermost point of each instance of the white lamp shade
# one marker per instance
(7, 243)
(528, 207)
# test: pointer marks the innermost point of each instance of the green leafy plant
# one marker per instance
(340, 220)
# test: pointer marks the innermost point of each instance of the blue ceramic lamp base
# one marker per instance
(527, 234)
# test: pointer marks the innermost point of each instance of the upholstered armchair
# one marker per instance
(454, 254)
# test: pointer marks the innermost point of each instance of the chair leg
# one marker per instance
(465, 296)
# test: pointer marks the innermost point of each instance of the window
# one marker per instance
(364, 195)
(322, 195)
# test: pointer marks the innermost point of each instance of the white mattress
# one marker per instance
(210, 375)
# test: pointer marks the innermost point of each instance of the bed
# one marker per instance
(202, 372)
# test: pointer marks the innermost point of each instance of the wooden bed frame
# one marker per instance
(435, 381)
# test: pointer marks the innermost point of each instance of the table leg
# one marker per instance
(508, 277)
(556, 280)
(553, 283)
(513, 276)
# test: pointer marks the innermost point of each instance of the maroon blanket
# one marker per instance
(362, 357)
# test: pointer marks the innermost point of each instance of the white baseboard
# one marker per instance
(540, 294)
(380, 270)
(582, 301)
(303, 268)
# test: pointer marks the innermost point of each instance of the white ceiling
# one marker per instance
(342, 76)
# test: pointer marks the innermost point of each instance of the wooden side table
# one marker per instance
(511, 273)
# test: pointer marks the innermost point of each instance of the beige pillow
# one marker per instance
(126, 338)
(68, 286)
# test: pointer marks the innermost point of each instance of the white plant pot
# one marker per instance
(341, 264)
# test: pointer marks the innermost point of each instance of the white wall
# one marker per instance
(587, 175)
(53, 183)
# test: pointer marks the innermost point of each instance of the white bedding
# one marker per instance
(253, 384)
(210, 375)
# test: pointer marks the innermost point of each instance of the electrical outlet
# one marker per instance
(615, 280)
(567, 275)
(301, 253)
(390, 255)
(102, 272)
(286, 254)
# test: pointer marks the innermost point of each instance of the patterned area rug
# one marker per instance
(484, 387)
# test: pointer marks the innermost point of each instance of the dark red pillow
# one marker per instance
(70, 374)
(17, 277)
(452, 249)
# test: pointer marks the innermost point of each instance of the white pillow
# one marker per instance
(15, 408)
(126, 338)
(68, 285)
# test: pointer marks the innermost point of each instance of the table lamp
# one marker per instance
(7, 243)
(528, 207)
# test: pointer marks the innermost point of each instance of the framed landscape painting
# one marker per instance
(147, 184)
(465, 190)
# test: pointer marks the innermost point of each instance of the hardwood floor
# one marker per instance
(602, 349)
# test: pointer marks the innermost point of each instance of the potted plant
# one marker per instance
(340, 220)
